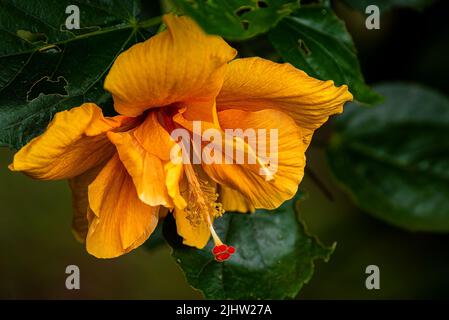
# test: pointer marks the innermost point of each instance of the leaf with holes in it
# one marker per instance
(274, 256)
(394, 159)
(237, 19)
(316, 41)
(45, 68)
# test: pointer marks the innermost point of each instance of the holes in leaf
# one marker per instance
(245, 24)
(262, 4)
(47, 86)
(242, 10)
(31, 37)
(303, 47)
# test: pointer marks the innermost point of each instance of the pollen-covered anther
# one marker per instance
(223, 252)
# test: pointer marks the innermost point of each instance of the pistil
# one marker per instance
(202, 205)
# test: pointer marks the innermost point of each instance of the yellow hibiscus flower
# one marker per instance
(119, 168)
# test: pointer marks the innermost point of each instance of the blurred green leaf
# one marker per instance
(385, 5)
(237, 19)
(316, 41)
(394, 159)
(274, 256)
(156, 239)
(45, 68)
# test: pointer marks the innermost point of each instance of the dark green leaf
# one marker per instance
(316, 41)
(273, 260)
(237, 19)
(394, 159)
(156, 239)
(385, 5)
(45, 68)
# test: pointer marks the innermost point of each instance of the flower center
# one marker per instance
(202, 192)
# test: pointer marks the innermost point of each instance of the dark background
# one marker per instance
(36, 243)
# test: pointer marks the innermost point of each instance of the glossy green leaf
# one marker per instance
(394, 159)
(237, 19)
(274, 256)
(45, 68)
(316, 41)
(385, 5)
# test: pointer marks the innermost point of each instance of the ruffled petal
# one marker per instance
(173, 180)
(180, 65)
(253, 84)
(273, 175)
(193, 234)
(146, 169)
(122, 221)
(80, 202)
(74, 142)
(233, 200)
(154, 137)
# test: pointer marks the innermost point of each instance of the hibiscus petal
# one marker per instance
(80, 203)
(288, 161)
(193, 220)
(173, 179)
(253, 84)
(179, 65)
(193, 234)
(122, 221)
(154, 138)
(233, 200)
(73, 142)
(146, 169)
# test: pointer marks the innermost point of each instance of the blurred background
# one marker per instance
(36, 243)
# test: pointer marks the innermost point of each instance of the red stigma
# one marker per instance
(219, 249)
(223, 252)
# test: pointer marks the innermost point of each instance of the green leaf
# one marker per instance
(385, 5)
(237, 19)
(45, 68)
(274, 256)
(156, 239)
(316, 41)
(394, 159)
